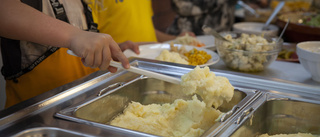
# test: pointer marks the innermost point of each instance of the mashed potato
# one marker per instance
(213, 89)
(289, 135)
(181, 118)
(174, 57)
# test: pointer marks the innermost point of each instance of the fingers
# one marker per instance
(106, 58)
(130, 45)
(112, 69)
(135, 48)
(98, 57)
(88, 59)
(117, 54)
(97, 50)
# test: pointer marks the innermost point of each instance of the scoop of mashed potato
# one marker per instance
(181, 118)
(174, 57)
(213, 89)
(289, 135)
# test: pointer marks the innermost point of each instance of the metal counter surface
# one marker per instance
(280, 70)
(40, 110)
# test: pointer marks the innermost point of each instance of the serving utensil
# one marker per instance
(283, 30)
(211, 31)
(274, 13)
(141, 71)
(248, 8)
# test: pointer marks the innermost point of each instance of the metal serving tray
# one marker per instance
(276, 114)
(74, 97)
(112, 100)
(50, 132)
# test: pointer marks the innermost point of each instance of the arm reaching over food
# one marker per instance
(213, 89)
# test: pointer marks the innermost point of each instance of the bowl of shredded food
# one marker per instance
(248, 52)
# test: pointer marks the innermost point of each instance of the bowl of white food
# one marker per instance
(248, 52)
(309, 56)
(255, 28)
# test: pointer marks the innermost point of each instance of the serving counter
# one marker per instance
(84, 107)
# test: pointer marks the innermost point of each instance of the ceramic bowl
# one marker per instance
(309, 56)
(255, 28)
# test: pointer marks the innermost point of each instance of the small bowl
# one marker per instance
(309, 56)
(255, 28)
(248, 57)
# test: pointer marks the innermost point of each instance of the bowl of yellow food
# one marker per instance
(248, 52)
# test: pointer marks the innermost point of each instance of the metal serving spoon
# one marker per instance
(274, 13)
(248, 8)
(209, 30)
(283, 30)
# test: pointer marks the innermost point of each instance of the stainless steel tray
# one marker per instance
(114, 98)
(50, 132)
(276, 114)
(75, 96)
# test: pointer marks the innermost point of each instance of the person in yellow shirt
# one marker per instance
(128, 20)
(34, 46)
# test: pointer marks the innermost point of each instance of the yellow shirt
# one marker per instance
(125, 19)
(58, 69)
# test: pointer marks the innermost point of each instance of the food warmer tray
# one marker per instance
(61, 110)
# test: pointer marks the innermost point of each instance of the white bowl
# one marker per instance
(256, 28)
(309, 56)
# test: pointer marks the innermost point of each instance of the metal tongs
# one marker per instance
(141, 71)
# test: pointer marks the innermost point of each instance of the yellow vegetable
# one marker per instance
(197, 57)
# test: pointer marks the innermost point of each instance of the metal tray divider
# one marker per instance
(68, 112)
(213, 131)
(233, 123)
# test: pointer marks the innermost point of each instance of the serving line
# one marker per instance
(39, 111)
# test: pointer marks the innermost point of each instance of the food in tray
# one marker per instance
(249, 52)
(287, 54)
(182, 117)
(193, 57)
(213, 89)
(188, 40)
(309, 18)
(312, 20)
(292, 5)
(289, 135)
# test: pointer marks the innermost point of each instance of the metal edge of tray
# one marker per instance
(236, 78)
(49, 131)
(68, 113)
(56, 99)
(247, 113)
(213, 131)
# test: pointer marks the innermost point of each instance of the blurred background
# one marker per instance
(301, 13)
